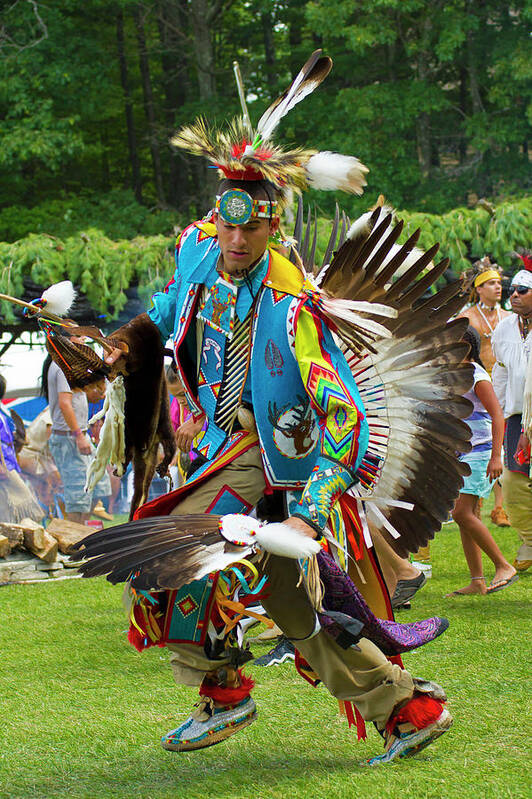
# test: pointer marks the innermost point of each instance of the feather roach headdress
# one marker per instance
(241, 153)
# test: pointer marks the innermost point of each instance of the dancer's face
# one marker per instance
(242, 246)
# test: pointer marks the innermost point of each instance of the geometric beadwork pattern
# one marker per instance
(324, 488)
(187, 605)
(340, 430)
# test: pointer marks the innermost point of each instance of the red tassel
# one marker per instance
(136, 639)
(228, 696)
(140, 641)
(421, 711)
(353, 717)
(361, 726)
(349, 714)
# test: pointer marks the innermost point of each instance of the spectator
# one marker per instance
(512, 345)
(487, 428)
(179, 414)
(16, 498)
(70, 444)
(402, 579)
(37, 464)
(484, 315)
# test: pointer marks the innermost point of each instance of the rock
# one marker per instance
(25, 575)
(19, 557)
(21, 565)
(5, 574)
(49, 567)
(62, 575)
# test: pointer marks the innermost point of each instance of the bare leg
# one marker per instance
(473, 531)
(473, 556)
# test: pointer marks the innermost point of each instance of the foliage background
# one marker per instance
(434, 97)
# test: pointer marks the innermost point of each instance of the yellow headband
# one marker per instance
(490, 274)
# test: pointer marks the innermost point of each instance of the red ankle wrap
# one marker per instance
(228, 696)
(420, 711)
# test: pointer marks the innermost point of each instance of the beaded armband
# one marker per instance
(324, 488)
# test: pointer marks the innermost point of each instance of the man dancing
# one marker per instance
(267, 361)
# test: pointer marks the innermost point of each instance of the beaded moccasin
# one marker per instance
(407, 739)
(208, 725)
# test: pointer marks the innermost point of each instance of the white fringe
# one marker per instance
(527, 401)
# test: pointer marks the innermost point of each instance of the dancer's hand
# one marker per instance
(116, 353)
(494, 468)
(301, 526)
(187, 432)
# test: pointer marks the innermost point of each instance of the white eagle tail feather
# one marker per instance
(362, 226)
(295, 93)
(341, 309)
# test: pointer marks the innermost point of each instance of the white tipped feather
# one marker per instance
(59, 297)
(308, 78)
(360, 306)
(340, 309)
(413, 256)
(360, 226)
(281, 539)
(330, 171)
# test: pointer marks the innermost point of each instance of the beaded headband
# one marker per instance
(237, 207)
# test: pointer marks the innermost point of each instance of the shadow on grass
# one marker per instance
(244, 771)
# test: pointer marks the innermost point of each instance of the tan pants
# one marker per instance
(518, 503)
(365, 677)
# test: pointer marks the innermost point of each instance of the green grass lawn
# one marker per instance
(81, 712)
